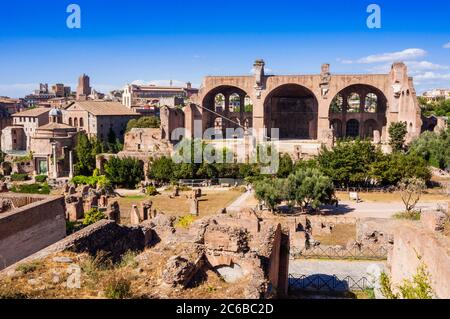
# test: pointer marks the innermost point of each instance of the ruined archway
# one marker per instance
(293, 109)
(225, 107)
(358, 111)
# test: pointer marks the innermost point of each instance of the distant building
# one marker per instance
(50, 144)
(437, 94)
(98, 118)
(54, 140)
(84, 88)
(142, 95)
(30, 120)
(11, 105)
(60, 90)
(42, 95)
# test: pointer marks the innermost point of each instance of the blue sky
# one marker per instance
(157, 41)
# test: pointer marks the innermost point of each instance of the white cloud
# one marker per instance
(446, 46)
(414, 67)
(432, 76)
(407, 54)
(425, 66)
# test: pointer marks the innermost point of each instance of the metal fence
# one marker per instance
(362, 189)
(363, 253)
(320, 282)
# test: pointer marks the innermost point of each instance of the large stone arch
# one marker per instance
(232, 117)
(293, 109)
(363, 103)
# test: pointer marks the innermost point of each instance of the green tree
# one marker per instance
(270, 191)
(434, 148)
(390, 169)
(144, 122)
(397, 134)
(349, 162)
(85, 153)
(207, 170)
(184, 171)
(126, 172)
(162, 169)
(310, 188)
(285, 166)
(113, 144)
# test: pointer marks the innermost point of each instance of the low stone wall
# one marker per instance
(37, 223)
(105, 236)
(20, 200)
(414, 240)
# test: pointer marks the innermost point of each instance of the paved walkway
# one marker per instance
(239, 203)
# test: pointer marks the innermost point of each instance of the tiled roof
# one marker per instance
(32, 112)
(99, 108)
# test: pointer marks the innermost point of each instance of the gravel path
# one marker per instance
(240, 201)
(373, 209)
(340, 268)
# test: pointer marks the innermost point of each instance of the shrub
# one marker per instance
(408, 215)
(93, 216)
(19, 177)
(93, 181)
(118, 287)
(144, 122)
(418, 287)
(41, 189)
(129, 259)
(151, 191)
(73, 227)
(41, 178)
(30, 267)
(185, 221)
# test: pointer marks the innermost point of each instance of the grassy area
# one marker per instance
(341, 235)
(209, 203)
(430, 196)
(413, 215)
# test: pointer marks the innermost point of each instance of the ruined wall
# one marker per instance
(30, 228)
(414, 240)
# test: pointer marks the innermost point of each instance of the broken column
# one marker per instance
(194, 207)
(145, 212)
(134, 215)
(113, 212)
(74, 208)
